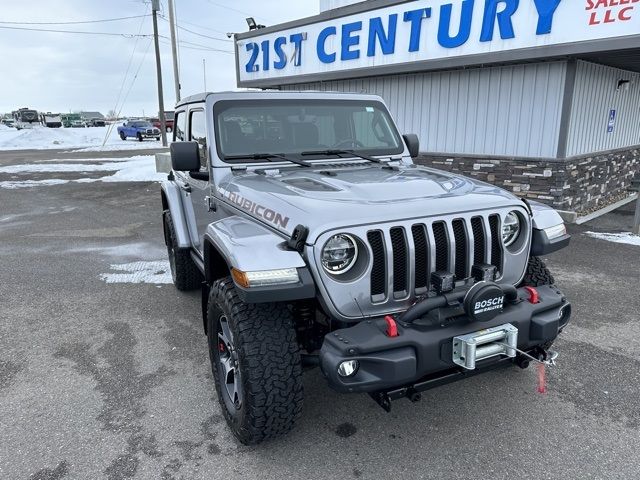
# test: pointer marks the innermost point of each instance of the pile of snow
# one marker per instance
(141, 168)
(624, 237)
(87, 139)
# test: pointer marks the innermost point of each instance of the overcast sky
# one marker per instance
(63, 72)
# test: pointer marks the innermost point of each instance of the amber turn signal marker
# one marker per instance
(240, 278)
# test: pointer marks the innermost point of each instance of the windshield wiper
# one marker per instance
(267, 156)
(342, 152)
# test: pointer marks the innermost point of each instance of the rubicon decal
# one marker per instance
(258, 210)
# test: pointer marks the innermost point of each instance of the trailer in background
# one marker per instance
(25, 118)
(51, 120)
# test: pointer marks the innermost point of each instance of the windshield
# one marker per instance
(291, 127)
(141, 124)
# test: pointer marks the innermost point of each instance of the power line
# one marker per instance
(111, 34)
(196, 46)
(200, 34)
(126, 74)
(203, 28)
(184, 42)
(75, 23)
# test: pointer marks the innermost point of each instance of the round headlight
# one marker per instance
(510, 228)
(339, 254)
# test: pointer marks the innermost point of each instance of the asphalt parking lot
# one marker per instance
(103, 377)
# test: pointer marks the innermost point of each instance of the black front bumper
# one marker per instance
(425, 350)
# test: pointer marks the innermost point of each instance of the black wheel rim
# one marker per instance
(228, 366)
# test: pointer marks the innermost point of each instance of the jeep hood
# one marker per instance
(326, 198)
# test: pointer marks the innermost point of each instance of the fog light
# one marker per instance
(348, 368)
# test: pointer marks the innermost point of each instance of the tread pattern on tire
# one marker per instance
(187, 275)
(270, 364)
(537, 273)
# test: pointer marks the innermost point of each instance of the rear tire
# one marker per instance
(184, 271)
(255, 363)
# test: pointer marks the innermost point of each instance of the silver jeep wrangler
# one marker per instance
(316, 241)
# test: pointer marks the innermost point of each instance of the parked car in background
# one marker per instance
(51, 120)
(168, 123)
(139, 129)
(8, 122)
(97, 122)
(72, 120)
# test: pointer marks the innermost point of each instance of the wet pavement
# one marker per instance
(112, 380)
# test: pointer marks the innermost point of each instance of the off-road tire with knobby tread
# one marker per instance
(268, 361)
(537, 274)
(184, 271)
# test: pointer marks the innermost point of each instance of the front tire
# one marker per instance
(184, 272)
(537, 274)
(255, 363)
(140, 139)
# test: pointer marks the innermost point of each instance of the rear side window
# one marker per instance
(179, 127)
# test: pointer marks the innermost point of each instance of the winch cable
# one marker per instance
(549, 361)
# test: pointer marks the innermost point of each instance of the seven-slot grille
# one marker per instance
(451, 246)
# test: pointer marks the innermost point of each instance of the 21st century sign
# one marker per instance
(424, 31)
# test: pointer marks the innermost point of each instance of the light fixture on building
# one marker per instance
(253, 25)
(623, 85)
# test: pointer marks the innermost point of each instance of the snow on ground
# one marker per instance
(85, 139)
(139, 272)
(141, 168)
(624, 237)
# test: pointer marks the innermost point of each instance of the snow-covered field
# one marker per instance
(83, 139)
(141, 168)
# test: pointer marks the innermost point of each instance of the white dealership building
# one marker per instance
(541, 97)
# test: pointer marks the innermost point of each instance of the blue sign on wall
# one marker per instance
(612, 121)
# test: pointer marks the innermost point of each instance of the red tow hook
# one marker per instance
(392, 327)
(534, 297)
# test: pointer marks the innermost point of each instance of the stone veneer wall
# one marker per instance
(580, 184)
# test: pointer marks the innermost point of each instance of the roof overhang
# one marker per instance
(382, 37)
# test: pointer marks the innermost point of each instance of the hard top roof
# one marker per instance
(201, 97)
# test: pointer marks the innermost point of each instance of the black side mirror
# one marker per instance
(413, 144)
(185, 156)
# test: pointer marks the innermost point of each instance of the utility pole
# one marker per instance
(174, 50)
(155, 6)
(204, 73)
